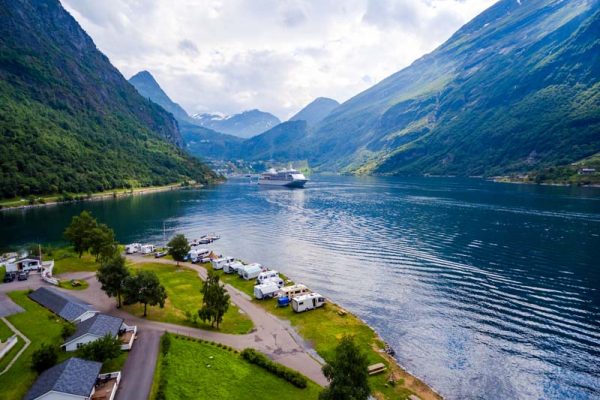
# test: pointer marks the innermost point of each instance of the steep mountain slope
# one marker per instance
(208, 144)
(315, 111)
(268, 145)
(69, 121)
(244, 125)
(147, 86)
(515, 89)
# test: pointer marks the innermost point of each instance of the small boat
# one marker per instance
(206, 239)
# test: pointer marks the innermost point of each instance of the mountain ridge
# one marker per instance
(315, 111)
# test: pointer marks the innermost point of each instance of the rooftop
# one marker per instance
(66, 306)
(99, 325)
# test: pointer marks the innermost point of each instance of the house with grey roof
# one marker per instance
(67, 307)
(75, 379)
(97, 327)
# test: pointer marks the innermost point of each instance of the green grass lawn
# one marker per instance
(115, 364)
(324, 327)
(66, 260)
(5, 332)
(183, 290)
(199, 371)
(2, 273)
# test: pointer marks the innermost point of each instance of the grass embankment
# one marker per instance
(66, 260)
(324, 327)
(41, 327)
(70, 197)
(200, 370)
(184, 299)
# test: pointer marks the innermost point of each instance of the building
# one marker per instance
(75, 379)
(67, 307)
(587, 171)
(99, 326)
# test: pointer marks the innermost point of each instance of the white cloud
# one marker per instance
(276, 55)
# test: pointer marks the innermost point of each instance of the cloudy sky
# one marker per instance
(233, 55)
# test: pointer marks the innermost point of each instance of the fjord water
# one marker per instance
(484, 290)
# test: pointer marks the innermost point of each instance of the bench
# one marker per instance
(376, 368)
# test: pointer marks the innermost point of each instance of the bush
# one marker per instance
(44, 358)
(165, 343)
(68, 330)
(257, 358)
(101, 350)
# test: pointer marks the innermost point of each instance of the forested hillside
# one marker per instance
(69, 121)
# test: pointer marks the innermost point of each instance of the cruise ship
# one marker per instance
(285, 177)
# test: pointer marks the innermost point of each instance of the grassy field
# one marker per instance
(5, 331)
(2, 273)
(183, 290)
(199, 371)
(66, 260)
(115, 364)
(324, 327)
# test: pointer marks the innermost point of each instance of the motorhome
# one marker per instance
(133, 248)
(276, 280)
(219, 263)
(307, 302)
(294, 290)
(250, 271)
(266, 290)
(263, 276)
(233, 268)
(197, 255)
(147, 248)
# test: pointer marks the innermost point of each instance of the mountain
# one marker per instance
(208, 144)
(515, 89)
(316, 111)
(244, 125)
(268, 145)
(69, 121)
(147, 86)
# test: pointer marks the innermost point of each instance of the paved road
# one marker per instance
(272, 336)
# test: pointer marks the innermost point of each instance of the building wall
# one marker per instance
(72, 346)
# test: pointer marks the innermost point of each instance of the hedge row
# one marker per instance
(293, 377)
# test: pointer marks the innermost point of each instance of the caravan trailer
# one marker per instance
(147, 249)
(219, 263)
(197, 254)
(266, 290)
(233, 268)
(276, 280)
(263, 276)
(133, 248)
(307, 302)
(24, 265)
(250, 271)
(294, 290)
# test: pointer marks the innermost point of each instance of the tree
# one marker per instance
(178, 248)
(44, 358)
(347, 373)
(145, 288)
(103, 349)
(215, 300)
(80, 230)
(112, 275)
(102, 242)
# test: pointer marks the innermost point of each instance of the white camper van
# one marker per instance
(219, 263)
(147, 249)
(233, 268)
(307, 302)
(24, 265)
(294, 290)
(276, 280)
(133, 248)
(250, 271)
(263, 276)
(197, 254)
(266, 290)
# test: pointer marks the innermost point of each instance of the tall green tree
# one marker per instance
(102, 242)
(215, 302)
(178, 247)
(145, 288)
(44, 357)
(347, 373)
(79, 232)
(112, 275)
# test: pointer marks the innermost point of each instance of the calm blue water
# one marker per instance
(484, 290)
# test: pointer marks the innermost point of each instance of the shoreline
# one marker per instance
(104, 195)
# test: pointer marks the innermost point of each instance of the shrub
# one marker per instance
(68, 330)
(165, 343)
(101, 350)
(44, 358)
(257, 358)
